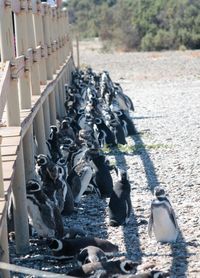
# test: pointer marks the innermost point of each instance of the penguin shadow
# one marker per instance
(130, 230)
(178, 250)
(180, 256)
(149, 168)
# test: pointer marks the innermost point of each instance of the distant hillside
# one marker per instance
(138, 24)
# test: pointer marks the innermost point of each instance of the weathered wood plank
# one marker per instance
(4, 85)
(8, 167)
(8, 150)
(10, 131)
(11, 141)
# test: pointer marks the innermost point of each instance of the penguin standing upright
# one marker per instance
(162, 218)
(43, 215)
(102, 177)
(120, 206)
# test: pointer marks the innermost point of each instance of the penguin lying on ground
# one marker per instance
(44, 216)
(91, 254)
(162, 218)
(120, 206)
(67, 248)
(121, 265)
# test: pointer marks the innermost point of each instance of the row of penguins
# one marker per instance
(97, 115)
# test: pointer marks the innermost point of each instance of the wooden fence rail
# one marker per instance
(36, 62)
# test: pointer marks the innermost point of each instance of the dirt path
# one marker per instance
(165, 89)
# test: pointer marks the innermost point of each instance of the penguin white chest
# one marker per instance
(36, 221)
(163, 226)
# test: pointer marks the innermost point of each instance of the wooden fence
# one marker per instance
(36, 62)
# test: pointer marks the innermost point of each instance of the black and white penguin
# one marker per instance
(162, 218)
(42, 161)
(67, 248)
(102, 176)
(85, 172)
(74, 232)
(91, 254)
(103, 128)
(120, 206)
(54, 186)
(66, 131)
(109, 268)
(118, 131)
(126, 123)
(44, 216)
(53, 143)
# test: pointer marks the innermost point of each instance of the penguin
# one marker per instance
(68, 248)
(91, 254)
(109, 268)
(119, 207)
(66, 131)
(118, 131)
(162, 218)
(101, 126)
(53, 143)
(102, 177)
(43, 215)
(54, 186)
(42, 161)
(74, 232)
(149, 274)
(126, 122)
(85, 172)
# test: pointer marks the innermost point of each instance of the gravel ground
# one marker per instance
(165, 90)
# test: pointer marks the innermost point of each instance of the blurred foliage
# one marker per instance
(138, 24)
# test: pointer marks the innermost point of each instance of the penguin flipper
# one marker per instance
(150, 224)
(173, 217)
(47, 217)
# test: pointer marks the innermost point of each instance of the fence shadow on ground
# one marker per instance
(179, 261)
(130, 230)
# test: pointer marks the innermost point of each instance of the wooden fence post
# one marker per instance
(20, 205)
(58, 104)
(4, 246)
(46, 113)
(21, 35)
(61, 94)
(55, 36)
(47, 40)
(52, 107)
(34, 67)
(39, 130)
(8, 53)
(28, 147)
(39, 38)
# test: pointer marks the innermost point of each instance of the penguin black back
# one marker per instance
(120, 202)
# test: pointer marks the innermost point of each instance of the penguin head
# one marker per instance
(61, 161)
(55, 245)
(123, 175)
(98, 121)
(53, 171)
(159, 192)
(42, 160)
(32, 186)
(64, 124)
(53, 128)
(68, 141)
(128, 266)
